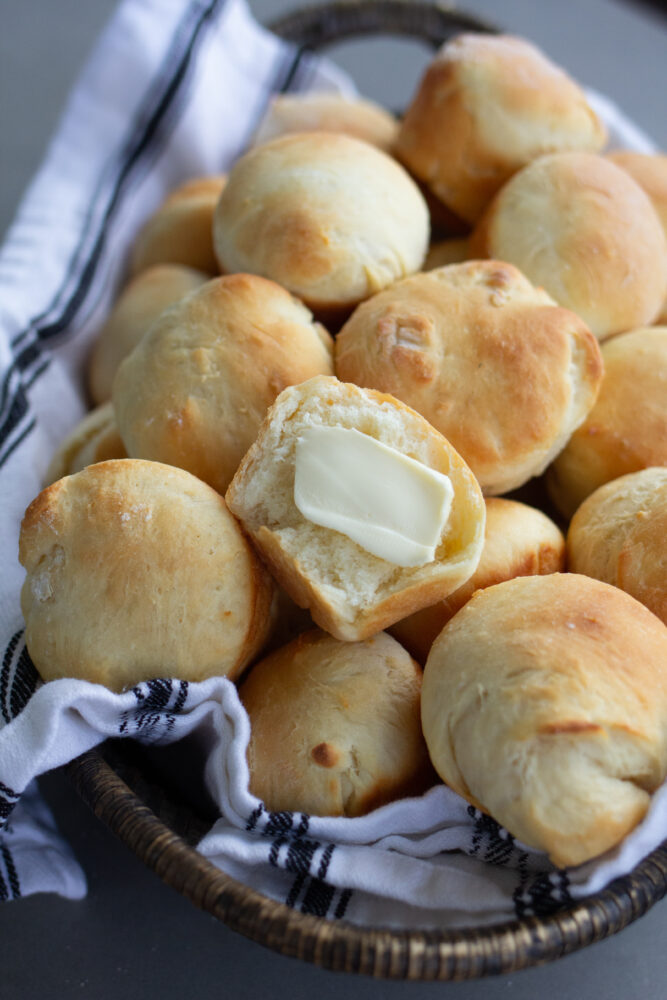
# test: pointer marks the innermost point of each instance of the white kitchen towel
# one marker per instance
(421, 862)
(174, 89)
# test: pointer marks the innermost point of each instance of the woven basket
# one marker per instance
(161, 827)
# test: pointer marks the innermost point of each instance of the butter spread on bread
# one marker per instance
(390, 504)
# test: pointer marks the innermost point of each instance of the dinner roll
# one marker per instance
(329, 217)
(518, 541)
(326, 112)
(362, 510)
(93, 439)
(619, 535)
(136, 571)
(335, 727)
(138, 306)
(488, 359)
(544, 703)
(650, 172)
(195, 390)
(627, 428)
(181, 231)
(486, 106)
(583, 229)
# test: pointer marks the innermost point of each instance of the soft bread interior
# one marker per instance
(350, 578)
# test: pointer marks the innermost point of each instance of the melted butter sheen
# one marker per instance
(391, 505)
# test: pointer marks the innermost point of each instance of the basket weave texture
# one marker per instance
(161, 829)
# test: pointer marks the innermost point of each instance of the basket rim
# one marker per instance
(316, 26)
(384, 952)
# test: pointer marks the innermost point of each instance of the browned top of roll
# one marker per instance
(583, 229)
(335, 726)
(136, 570)
(486, 106)
(331, 218)
(195, 390)
(627, 428)
(488, 359)
(619, 535)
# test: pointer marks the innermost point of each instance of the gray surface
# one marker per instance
(132, 936)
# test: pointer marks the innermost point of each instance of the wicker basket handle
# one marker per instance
(321, 25)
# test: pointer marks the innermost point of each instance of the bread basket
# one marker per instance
(160, 826)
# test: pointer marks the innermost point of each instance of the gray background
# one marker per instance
(608, 44)
(132, 937)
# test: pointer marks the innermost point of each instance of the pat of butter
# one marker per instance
(391, 505)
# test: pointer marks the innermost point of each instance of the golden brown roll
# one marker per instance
(195, 390)
(94, 439)
(488, 359)
(181, 231)
(518, 541)
(544, 703)
(138, 306)
(335, 728)
(627, 428)
(486, 106)
(619, 535)
(329, 217)
(650, 172)
(327, 112)
(362, 510)
(584, 230)
(136, 570)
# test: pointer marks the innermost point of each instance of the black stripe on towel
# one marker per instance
(136, 149)
(12, 874)
(4, 675)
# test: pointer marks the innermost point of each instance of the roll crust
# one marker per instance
(619, 535)
(518, 541)
(355, 117)
(650, 172)
(329, 217)
(351, 593)
(181, 231)
(195, 390)
(488, 359)
(134, 312)
(94, 439)
(335, 727)
(486, 106)
(136, 570)
(545, 704)
(627, 428)
(583, 229)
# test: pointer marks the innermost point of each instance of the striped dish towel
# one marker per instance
(174, 89)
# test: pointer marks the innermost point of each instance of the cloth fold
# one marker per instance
(174, 89)
(420, 862)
